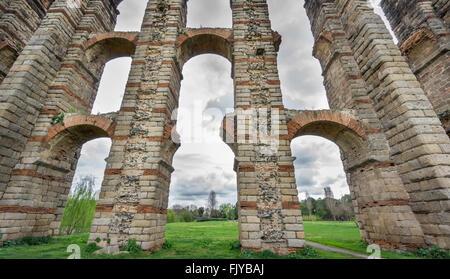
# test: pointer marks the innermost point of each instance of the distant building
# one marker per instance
(328, 193)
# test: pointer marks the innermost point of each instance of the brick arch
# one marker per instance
(64, 140)
(340, 128)
(89, 126)
(194, 42)
(108, 46)
(417, 37)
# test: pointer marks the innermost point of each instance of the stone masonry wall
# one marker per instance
(395, 152)
(34, 198)
(18, 21)
(419, 147)
(269, 215)
(134, 197)
(379, 196)
(422, 28)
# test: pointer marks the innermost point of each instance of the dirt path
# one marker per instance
(334, 249)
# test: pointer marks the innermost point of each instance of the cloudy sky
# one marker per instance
(203, 162)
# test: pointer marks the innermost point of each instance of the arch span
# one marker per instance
(107, 46)
(87, 126)
(196, 41)
(336, 126)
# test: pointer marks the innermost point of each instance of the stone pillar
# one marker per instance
(18, 21)
(134, 196)
(419, 146)
(24, 89)
(269, 211)
(379, 196)
(422, 28)
(36, 194)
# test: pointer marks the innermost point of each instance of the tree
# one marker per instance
(309, 205)
(332, 207)
(200, 211)
(227, 211)
(186, 216)
(80, 207)
(212, 203)
(171, 217)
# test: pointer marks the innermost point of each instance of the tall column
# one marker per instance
(24, 89)
(18, 21)
(269, 211)
(422, 28)
(134, 196)
(419, 146)
(379, 196)
(35, 197)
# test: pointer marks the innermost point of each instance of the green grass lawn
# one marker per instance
(202, 240)
(342, 235)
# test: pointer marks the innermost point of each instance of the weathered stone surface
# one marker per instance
(394, 150)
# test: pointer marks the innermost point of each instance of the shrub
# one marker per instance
(91, 248)
(433, 253)
(307, 252)
(171, 217)
(267, 254)
(132, 246)
(186, 216)
(235, 245)
(28, 240)
(167, 244)
(207, 219)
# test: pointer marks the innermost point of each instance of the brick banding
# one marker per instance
(304, 118)
(105, 127)
(26, 209)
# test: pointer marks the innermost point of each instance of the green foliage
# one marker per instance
(432, 253)
(201, 211)
(78, 111)
(167, 244)
(235, 245)
(28, 240)
(186, 216)
(246, 254)
(311, 218)
(307, 252)
(209, 219)
(58, 119)
(19, 47)
(132, 246)
(266, 254)
(171, 217)
(91, 248)
(205, 243)
(80, 208)
(328, 209)
(227, 211)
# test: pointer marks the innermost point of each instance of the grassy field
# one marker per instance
(201, 240)
(342, 235)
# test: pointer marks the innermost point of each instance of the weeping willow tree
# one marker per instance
(80, 207)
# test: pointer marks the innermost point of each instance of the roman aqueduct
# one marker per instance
(389, 116)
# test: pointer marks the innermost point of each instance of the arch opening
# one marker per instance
(203, 163)
(195, 42)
